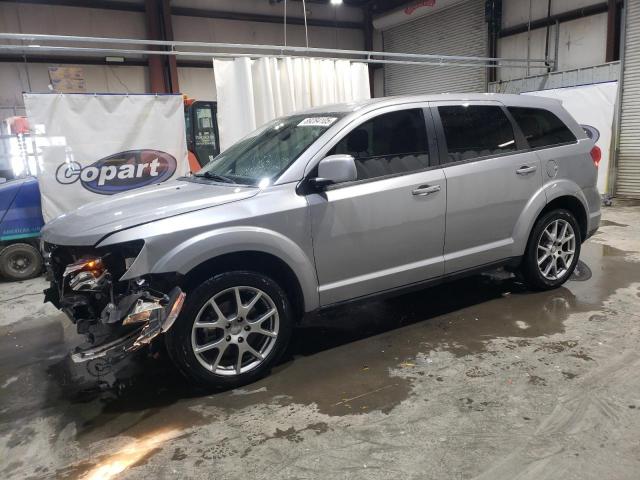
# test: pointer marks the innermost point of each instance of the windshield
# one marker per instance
(265, 154)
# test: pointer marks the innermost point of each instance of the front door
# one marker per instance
(490, 180)
(386, 229)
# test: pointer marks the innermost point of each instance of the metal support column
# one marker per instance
(172, 65)
(163, 71)
(368, 41)
(613, 30)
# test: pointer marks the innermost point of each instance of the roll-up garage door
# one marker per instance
(458, 30)
(628, 174)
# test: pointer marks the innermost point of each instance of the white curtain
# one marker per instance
(252, 92)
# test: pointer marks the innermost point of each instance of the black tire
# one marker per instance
(531, 272)
(20, 261)
(179, 338)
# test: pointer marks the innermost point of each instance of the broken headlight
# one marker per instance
(85, 274)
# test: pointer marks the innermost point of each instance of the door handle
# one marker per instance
(424, 190)
(525, 169)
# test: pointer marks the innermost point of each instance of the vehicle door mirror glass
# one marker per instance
(335, 169)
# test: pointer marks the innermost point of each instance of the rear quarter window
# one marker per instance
(473, 131)
(541, 128)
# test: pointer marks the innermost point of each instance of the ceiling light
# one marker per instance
(336, 2)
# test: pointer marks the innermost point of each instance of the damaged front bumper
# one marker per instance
(161, 319)
(117, 317)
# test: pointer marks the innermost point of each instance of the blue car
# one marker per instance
(20, 224)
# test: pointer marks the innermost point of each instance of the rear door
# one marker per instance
(490, 179)
(386, 229)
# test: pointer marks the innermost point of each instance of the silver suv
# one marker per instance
(327, 206)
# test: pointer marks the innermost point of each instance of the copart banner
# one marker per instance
(92, 146)
(592, 106)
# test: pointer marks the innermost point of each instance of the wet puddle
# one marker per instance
(339, 361)
(461, 318)
(609, 223)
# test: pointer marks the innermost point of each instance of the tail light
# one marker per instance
(596, 155)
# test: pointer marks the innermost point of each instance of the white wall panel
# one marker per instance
(515, 46)
(198, 83)
(583, 42)
(59, 20)
(559, 6)
(233, 31)
(264, 7)
(516, 12)
(15, 78)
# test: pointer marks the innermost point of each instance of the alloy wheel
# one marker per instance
(235, 330)
(556, 249)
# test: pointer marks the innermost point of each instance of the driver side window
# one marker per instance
(389, 144)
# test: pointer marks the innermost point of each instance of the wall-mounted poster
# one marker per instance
(67, 79)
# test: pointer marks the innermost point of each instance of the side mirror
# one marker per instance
(335, 169)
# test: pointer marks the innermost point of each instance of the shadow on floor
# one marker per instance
(461, 317)
(150, 380)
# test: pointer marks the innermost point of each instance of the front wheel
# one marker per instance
(234, 327)
(552, 250)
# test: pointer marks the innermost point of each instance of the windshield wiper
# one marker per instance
(214, 176)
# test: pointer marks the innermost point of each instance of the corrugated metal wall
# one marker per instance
(459, 30)
(628, 174)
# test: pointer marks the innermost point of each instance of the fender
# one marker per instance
(545, 195)
(565, 188)
(207, 245)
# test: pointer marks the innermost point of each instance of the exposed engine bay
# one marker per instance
(116, 317)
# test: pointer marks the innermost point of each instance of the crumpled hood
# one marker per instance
(92, 222)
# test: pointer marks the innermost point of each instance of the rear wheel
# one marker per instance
(552, 251)
(232, 330)
(20, 261)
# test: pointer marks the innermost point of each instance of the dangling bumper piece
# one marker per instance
(156, 317)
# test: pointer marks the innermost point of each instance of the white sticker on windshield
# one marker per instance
(317, 121)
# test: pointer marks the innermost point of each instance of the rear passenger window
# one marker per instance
(541, 128)
(389, 144)
(476, 131)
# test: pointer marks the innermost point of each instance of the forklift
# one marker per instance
(201, 126)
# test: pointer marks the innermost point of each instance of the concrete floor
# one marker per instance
(474, 379)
